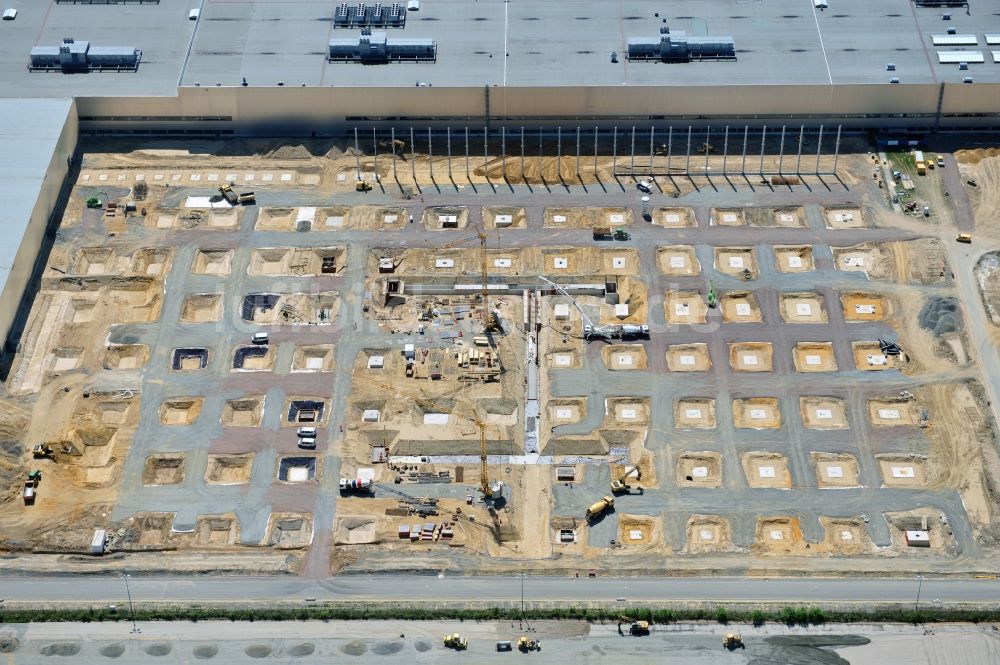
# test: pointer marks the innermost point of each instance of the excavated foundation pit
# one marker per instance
(694, 413)
(844, 218)
(202, 308)
(152, 261)
(814, 357)
(624, 356)
(316, 308)
(751, 356)
(688, 358)
(503, 217)
(737, 261)
(243, 412)
(804, 307)
(794, 258)
(766, 470)
(893, 412)
(163, 469)
(313, 358)
(903, 470)
(727, 217)
(740, 307)
(217, 262)
(295, 261)
(868, 357)
(699, 469)
(865, 307)
(707, 534)
(684, 307)
(443, 218)
(290, 530)
(254, 358)
(65, 359)
(297, 469)
(776, 536)
(217, 530)
(94, 261)
(678, 260)
(304, 411)
(835, 470)
(756, 413)
(823, 413)
(229, 469)
(673, 217)
(181, 410)
(189, 359)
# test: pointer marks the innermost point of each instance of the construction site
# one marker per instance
(324, 358)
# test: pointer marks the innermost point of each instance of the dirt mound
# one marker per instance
(941, 316)
(205, 651)
(423, 646)
(8, 641)
(387, 648)
(258, 650)
(60, 649)
(304, 649)
(975, 156)
(157, 649)
(113, 650)
(354, 648)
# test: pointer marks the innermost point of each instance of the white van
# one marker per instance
(307, 431)
(307, 442)
(259, 338)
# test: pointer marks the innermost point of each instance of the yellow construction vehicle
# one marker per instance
(456, 642)
(599, 507)
(619, 486)
(639, 628)
(733, 641)
(527, 644)
(362, 186)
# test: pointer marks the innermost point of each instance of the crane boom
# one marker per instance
(484, 479)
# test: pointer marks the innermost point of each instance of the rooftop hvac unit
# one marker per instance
(76, 56)
(679, 47)
(341, 17)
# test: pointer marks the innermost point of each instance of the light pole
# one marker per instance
(920, 583)
(131, 608)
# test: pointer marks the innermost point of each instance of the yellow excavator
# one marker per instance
(619, 486)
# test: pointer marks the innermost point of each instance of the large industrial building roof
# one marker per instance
(492, 42)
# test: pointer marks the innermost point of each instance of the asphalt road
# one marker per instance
(99, 590)
(569, 642)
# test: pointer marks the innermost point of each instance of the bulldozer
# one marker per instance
(528, 644)
(456, 642)
(733, 641)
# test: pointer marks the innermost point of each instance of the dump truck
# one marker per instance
(964, 237)
(456, 642)
(527, 644)
(639, 628)
(247, 198)
(231, 197)
(599, 507)
(607, 233)
(733, 641)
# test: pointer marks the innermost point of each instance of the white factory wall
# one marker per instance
(296, 110)
(31, 241)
